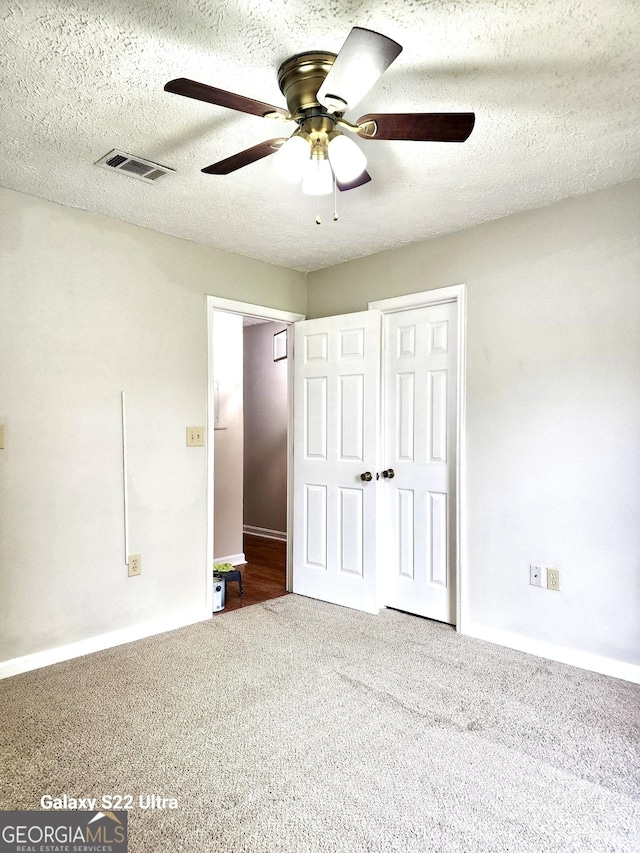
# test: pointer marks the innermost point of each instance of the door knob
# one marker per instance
(389, 474)
(366, 476)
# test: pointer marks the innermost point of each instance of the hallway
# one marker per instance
(263, 576)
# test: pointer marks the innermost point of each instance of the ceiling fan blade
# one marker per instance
(244, 158)
(363, 59)
(421, 127)
(364, 178)
(211, 95)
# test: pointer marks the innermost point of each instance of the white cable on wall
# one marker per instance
(124, 481)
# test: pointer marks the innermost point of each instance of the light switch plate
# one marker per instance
(1, 436)
(195, 436)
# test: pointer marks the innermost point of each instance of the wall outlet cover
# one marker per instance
(135, 565)
(553, 578)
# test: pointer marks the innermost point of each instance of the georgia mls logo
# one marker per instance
(63, 832)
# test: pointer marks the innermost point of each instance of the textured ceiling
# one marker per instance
(554, 85)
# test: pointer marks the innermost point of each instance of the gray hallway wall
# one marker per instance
(265, 430)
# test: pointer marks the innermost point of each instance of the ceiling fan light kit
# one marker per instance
(319, 88)
(301, 155)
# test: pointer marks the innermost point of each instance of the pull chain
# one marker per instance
(335, 199)
(318, 220)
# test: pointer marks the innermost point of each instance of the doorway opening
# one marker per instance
(248, 449)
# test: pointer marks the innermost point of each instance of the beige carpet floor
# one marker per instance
(298, 726)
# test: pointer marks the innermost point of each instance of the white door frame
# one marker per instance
(262, 312)
(456, 293)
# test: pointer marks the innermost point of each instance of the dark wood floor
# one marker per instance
(264, 575)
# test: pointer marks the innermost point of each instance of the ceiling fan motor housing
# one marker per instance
(300, 77)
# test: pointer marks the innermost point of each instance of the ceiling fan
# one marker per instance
(319, 88)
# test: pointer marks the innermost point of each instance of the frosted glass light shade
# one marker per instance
(290, 159)
(317, 178)
(347, 160)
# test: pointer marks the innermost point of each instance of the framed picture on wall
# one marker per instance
(280, 345)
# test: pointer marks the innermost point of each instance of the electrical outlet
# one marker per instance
(135, 565)
(536, 575)
(553, 578)
(195, 436)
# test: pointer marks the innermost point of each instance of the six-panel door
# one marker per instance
(420, 350)
(336, 425)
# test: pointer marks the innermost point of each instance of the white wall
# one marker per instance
(553, 411)
(266, 419)
(92, 306)
(228, 442)
(89, 307)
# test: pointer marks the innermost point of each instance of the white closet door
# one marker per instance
(419, 409)
(335, 435)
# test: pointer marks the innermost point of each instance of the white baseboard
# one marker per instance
(280, 535)
(101, 642)
(234, 559)
(540, 648)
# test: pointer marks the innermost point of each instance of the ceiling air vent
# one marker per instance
(135, 167)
